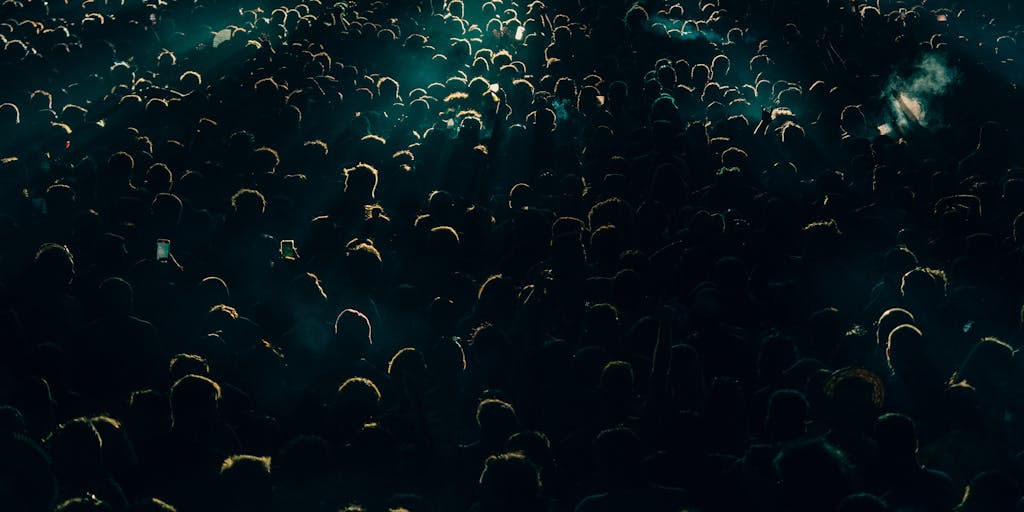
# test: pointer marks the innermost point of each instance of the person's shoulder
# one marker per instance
(936, 478)
(760, 454)
(670, 496)
(536, 215)
(593, 503)
(140, 323)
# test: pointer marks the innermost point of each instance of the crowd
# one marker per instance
(467, 255)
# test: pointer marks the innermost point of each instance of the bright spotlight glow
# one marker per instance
(911, 108)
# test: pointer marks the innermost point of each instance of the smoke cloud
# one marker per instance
(912, 100)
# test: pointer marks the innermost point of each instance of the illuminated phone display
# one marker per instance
(163, 249)
(288, 249)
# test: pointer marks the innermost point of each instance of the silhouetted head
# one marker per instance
(534, 445)
(509, 483)
(302, 459)
(905, 348)
(248, 205)
(489, 347)
(616, 385)
(814, 476)
(446, 361)
(619, 453)
(25, 470)
(924, 286)
(496, 299)
(77, 449)
(166, 209)
(990, 491)
(357, 401)
(787, 415)
(10, 115)
(54, 267)
(12, 421)
(308, 293)
(353, 335)
(889, 320)
(497, 421)
(182, 365)
(245, 484)
(361, 181)
(407, 366)
(896, 436)
(211, 291)
(364, 263)
(522, 196)
(158, 179)
(116, 297)
(853, 121)
(988, 367)
(195, 402)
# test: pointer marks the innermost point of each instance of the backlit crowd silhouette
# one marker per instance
(511, 256)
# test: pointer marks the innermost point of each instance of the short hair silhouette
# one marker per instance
(301, 459)
(26, 472)
(496, 418)
(361, 178)
(509, 482)
(905, 344)
(188, 364)
(245, 483)
(787, 415)
(889, 320)
(896, 435)
(248, 203)
(814, 476)
(990, 490)
(353, 332)
(194, 399)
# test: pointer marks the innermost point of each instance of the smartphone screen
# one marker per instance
(494, 87)
(163, 249)
(288, 249)
(520, 32)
